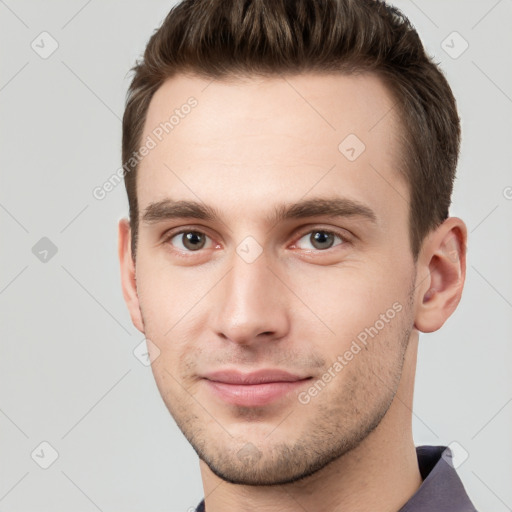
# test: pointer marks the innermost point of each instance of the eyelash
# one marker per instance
(341, 235)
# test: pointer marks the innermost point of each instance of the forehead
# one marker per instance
(238, 143)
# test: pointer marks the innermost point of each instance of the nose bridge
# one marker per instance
(250, 301)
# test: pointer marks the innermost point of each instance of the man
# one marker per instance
(289, 168)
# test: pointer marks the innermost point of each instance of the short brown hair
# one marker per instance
(218, 39)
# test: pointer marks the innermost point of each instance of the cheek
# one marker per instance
(168, 294)
(346, 299)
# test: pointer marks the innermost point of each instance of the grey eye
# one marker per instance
(320, 239)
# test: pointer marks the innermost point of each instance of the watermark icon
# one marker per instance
(351, 147)
(44, 45)
(44, 455)
(454, 45)
(157, 135)
(44, 250)
(305, 397)
(455, 454)
(507, 192)
(249, 454)
(146, 352)
(249, 249)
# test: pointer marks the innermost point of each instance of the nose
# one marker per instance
(251, 303)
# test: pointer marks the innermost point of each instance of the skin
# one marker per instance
(247, 146)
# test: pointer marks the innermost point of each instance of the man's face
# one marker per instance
(249, 290)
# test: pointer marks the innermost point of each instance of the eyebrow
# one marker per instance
(168, 209)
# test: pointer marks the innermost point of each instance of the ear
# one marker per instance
(441, 274)
(128, 278)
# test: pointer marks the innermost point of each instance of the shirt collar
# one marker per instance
(441, 490)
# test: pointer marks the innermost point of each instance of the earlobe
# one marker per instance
(128, 277)
(442, 272)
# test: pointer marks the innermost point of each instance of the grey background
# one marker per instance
(69, 376)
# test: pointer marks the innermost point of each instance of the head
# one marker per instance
(293, 217)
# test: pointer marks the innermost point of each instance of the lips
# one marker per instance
(252, 389)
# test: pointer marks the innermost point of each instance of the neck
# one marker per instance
(381, 473)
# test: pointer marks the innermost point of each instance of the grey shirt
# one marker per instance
(441, 490)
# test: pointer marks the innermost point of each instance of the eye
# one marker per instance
(189, 241)
(320, 239)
